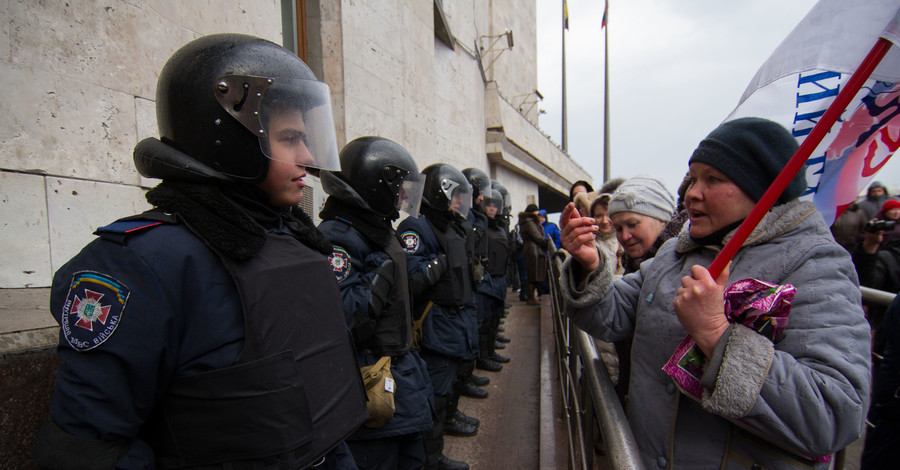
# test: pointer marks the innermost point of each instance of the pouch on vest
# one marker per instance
(380, 389)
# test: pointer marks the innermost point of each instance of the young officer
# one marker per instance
(440, 272)
(378, 179)
(206, 331)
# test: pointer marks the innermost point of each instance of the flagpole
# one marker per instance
(859, 77)
(565, 133)
(606, 157)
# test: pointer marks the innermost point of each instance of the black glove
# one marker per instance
(381, 287)
(435, 269)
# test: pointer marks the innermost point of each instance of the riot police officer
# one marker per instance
(440, 272)
(485, 289)
(378, 179)
(498, 253)
(185, 339)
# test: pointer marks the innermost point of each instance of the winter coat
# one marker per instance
(535, 247)
(355, 272)
(847, 228)
(808, 392)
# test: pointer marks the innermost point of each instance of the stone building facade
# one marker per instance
(452, 81)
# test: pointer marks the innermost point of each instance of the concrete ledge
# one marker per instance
(25, 320)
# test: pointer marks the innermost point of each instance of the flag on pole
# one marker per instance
(605, 13)
(565, 14)
(804, 75)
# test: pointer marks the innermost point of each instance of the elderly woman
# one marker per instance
(640, 209)
(775, 405)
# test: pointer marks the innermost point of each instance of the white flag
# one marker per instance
(804, 75)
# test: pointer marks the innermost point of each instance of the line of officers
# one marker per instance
(222, 329)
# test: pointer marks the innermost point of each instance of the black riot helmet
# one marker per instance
(227, 103)
(479, 180)
(446, 188)
(384, 174)
(507, 199)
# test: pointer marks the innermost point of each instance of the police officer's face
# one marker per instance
(490, 210)
(455, 201)
(284, 183)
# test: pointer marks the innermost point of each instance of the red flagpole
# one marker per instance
(806, 149)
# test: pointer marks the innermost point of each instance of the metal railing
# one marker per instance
(588, 395)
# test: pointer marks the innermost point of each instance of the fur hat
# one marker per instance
(751, 152)
(645, 195)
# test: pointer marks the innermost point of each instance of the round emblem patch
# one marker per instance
(410, 241)
(93, 309)
(340, 263)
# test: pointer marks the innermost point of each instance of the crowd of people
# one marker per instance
(760, 392)
(218, 312)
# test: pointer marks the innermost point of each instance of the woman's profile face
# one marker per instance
(713, 201)
(892, 214)
(636, 232)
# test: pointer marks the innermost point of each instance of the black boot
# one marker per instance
(479, 380)
(498, 358)
(462, 417)
(469, 389)
(453, 427)
(487, 364)
(502, 339)
(449, 464)
(499, 345)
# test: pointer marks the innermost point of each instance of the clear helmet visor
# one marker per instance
(486, 190)
(460, 196)
(409, 197)
(291, 117)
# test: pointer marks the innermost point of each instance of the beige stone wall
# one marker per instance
(82, 93)
(81, 80)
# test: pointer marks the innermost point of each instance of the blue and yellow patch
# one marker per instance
(410, 241)
(340, 263)
(93, 309)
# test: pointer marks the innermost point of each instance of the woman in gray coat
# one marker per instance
(787, 404)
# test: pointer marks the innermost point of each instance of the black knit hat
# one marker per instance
(751, 152)
(531, 208)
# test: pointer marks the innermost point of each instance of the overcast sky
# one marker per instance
(677, 69)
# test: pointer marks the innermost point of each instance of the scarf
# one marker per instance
(233, 218)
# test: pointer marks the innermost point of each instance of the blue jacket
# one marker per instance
(107, 392)
(353, 262)
(552, 231)
(452, 332)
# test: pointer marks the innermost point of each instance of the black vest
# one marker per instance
(392, 332)
(294, 393)
(498, 251)
(454, 288)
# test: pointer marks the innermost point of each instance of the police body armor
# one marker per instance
(392, 333)
(454, 288)
(294, 393)
(498, 250)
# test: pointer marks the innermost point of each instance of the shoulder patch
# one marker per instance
(93, 309)
(410, 241)
(340, 263)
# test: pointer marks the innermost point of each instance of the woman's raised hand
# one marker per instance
(578, 237)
